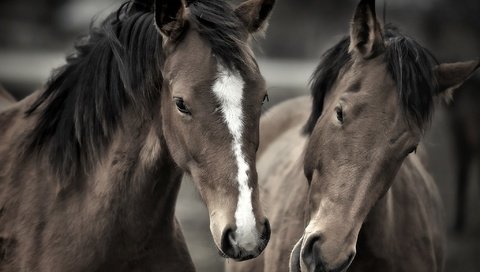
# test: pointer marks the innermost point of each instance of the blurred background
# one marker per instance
(35, 35)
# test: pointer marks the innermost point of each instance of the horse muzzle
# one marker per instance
(307, 257)
(240, 247)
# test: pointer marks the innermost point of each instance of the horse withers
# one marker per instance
(5, 97)
(348, 191)
(90, 167)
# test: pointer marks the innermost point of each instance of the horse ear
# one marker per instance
(451, 76)
(254, 13)
(366, 35)
(169, 17)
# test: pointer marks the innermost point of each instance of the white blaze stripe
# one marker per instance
(229, 90)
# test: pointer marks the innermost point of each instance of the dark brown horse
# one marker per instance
(348, 191)
(91, 166)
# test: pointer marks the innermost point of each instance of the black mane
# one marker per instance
(117, 66)
(410, 65)
(218, 24)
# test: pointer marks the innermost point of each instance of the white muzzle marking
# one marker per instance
(229, 90)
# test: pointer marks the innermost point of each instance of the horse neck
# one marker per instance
(139, 169)
(411, 202)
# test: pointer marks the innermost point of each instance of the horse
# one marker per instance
(340, 180)
(91, 165)
(464, 116)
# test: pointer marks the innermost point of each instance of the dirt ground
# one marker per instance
(463, 250)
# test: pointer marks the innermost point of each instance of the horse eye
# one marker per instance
(265, 99)
(339, 114)
(181, 105)
(413, 150)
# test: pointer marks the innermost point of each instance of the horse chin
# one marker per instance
(237, 259)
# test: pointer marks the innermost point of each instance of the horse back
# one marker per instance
(281, 118)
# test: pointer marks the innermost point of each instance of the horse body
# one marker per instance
(406, 222)
(120, 217)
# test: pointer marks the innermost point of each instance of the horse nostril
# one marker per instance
(228, 242)
(265, 236)
(311, 252)
(232, 245)
(311, 256)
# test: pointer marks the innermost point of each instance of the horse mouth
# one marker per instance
(238, 258)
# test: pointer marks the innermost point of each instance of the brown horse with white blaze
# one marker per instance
(90, 167)
(347, 191)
